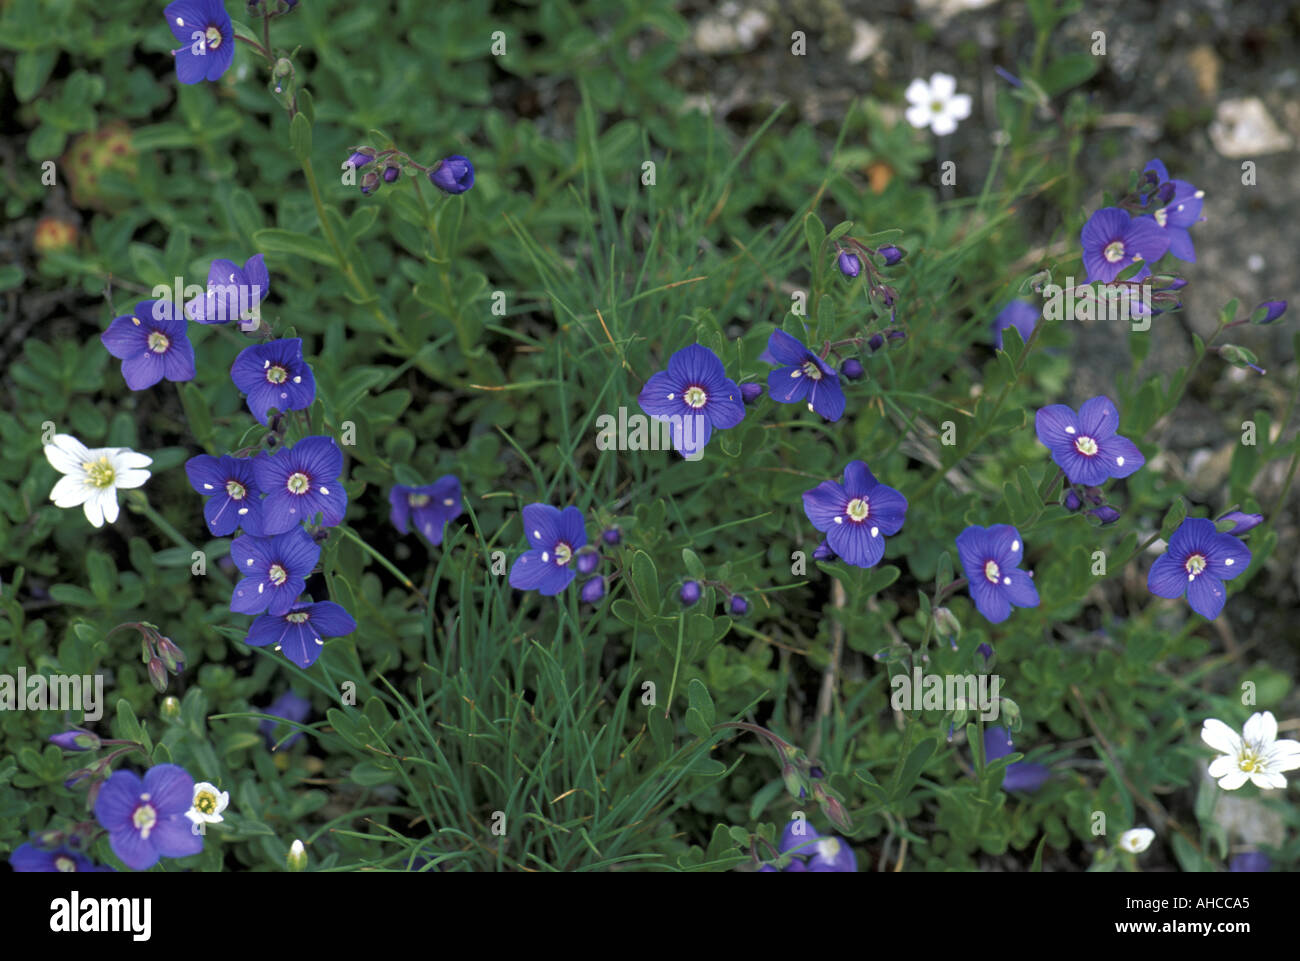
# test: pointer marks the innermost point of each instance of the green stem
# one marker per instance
(139, 502)
(389, 565)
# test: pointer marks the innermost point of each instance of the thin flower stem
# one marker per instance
(139, 502)
(389, 565)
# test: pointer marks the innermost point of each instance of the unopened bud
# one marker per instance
(171, 708)
(891, 254)
(172, 656)
(76, 740)
(751, 392)
(158, 674)
(1237, 523)
(297, 857)
(1105, 514)
(946, 622)
(1268, 311)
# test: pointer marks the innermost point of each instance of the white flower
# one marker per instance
(1256, 756)
(92, 478)
(296, 860)
(936, 104)
(208, 804)
(1137, 840)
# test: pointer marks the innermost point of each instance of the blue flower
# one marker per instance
(232, 498)
(825, 854)
(555, 537)
(1021, 315)
(300, 482)
(857, 515)
(274, 571)
(802, 376)
(432, 507)
(1250, 861)
(151, 344)
(33, 858)
(695, 396)
(1085, 445)
(990, 557)
(274, 375)
(298, 632)
(232, 293)
(1179, 213)
(146, 820)
(1020, 775)
(289, 706)
(453, 175)
(1199, 559)
(1112, 240)
(207, 39)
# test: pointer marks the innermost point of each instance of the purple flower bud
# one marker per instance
(593, 590)
(849, 264)
(891, 254)
(1268, 311)
(751, 392)
(1106, 514)
(985, 651)
(454, 175)
(1164, 194)
(823, 552)
(77, 776)
(361, 156)
(889, 295)
(1008, 76)
(588, 561)
(851, 369)
(158, 674)
(1094, 495)
(76, 740)
(1243, 522)
(173, 657)
(896, 335)
(1072, 501)
(739, 606)
(876, 341)
(690, 593)
(612, 536)
(391, 174)
(369, 182)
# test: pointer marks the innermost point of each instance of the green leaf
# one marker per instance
(276, 241)
(696, 724)
(645, 583)
(694, 566)
(698, 695)
(300, 136)
(1176, 514)
(911, 769)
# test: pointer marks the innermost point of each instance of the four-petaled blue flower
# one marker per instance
(151, 344)
(1019, 775)
(826, 854)
(232, 497)
(555, 537)
(1085, 445)
(990, 556)
(274, 571)
(694, 395)
(1112, 240)
(1183, 210)
(857, 515)
(233, 293)
(206, 36)
(33, 858)
(802, 376)
(145, 820)
(1021, 315)
(1199, 559)
(298, 631)
(431, 507)
(274, 375)
(300, 482)
(454, 175)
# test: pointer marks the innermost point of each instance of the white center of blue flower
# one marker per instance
(275, 374)
(158, 342)
(277, 575)
(236, 490)
(1114, 251)
(1085, 446)
(213, 36)
(812, 370)
(65, 864)
(298, 483)
(297, 617)
(144, 819)
(991, 571)
(563, 554)
(1162, 216)
(417, 500)
(695, 397)
(858, 509)
(1195, 564)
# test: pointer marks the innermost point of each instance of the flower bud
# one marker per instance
(171, 708)
(851, 369)
(593, 590)
(1268, 311)
(369, 182)
(751, 392)
(172, 656)
(158, 674)
(889, 295)
(454, 175)
(1241, 522)
(297, 857)
(1094, 495)
(391, 173)
(690, 593)
(361, 156)
(896, 335)
(739, 606)
(795, 782)
(891, 254)
(1240, 357)
(946, 622)
(1011, 713)
(76, 740)
(612, 536)
(1105, 514)
(1072, 502)
(849, 264)
(823, 552)
(876, 341)
(588, 561)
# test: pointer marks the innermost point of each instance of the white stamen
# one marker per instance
(875, 531)
(1015, 545)
(1119, 461)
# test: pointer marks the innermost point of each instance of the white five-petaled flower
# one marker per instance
(1137, 840)
(92, 478)
(1256, 755)
(936, 104)
(208, 804)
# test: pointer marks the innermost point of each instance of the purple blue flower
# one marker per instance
(34, 858)
(298, 632)
(145, 820)
(990, 556)
(826, 854)
(432, 507)
(1020, 775)
(454, 175)
(802, 376)
(151, 344)
(593, 590)
(695, 396)
(1085, 445)
(274, 375)
(555, 536)
(233, 293)
(291, 707)
(857, 515)
(274, 570)
(1021, 315)
(1250, 861)
(1180, 211)
(232, 498)
(207, 39)
(1242, 522)
(1112, 240)
(1197, 562)
(300, 482)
